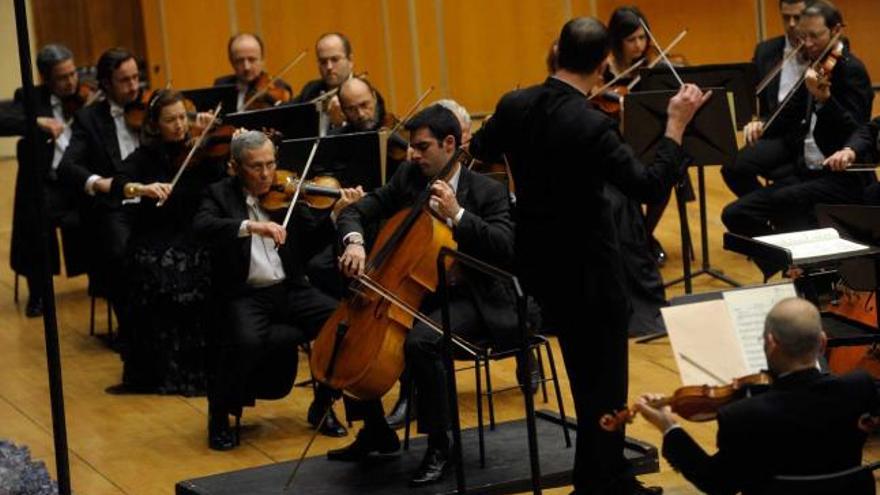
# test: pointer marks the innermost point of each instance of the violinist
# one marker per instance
(834, 100)
(246, 52)
(568, 254)
(629, 43)
(270, 306)
(861, 147)
(168, 273)
(807, 423)
(100, 140)
(477, 209)
(60, 85)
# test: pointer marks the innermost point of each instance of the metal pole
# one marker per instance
(34, 186)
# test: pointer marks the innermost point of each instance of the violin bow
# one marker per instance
(675, 41)
(329, 94)
(274, 79)
(192, 151)
(776, 70)
(617, 78)
(300, 183)
(411, 111)
(663, 52)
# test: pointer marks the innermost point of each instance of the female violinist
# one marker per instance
(168, 272)
(806, 423)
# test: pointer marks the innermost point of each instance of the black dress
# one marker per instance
(169, 277)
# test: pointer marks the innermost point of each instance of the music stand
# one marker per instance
(354, 159)
(206, 99)
(292, 121)
(738, 79)
(709, 140)
(861, 224)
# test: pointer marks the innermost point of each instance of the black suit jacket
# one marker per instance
(93, 149)
(864, 142)
(485, 232)
(222, 209)
(230, 105)
(768, 54)
(805, 424)
(562, 152)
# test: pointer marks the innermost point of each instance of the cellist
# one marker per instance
(477, 209)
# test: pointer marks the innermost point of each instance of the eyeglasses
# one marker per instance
(260, 167)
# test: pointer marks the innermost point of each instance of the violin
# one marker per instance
(697, 403)
(136, 111)
(319, 193)
(86, 93)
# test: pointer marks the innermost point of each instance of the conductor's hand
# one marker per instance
(840, 160)
(268, 229)
(156, 190)
(660, 417)
(352, 260)
(682, 108)
(753, 131)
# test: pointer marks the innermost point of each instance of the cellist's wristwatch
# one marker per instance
(355, 239)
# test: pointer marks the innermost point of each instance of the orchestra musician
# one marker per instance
(837, 104)
(168, 270)
(563, 152)
(862, 147)
(477, 209)
(246, 55)
(270, 305)
(59, 89)
(780, 431)
(741, 176)
(101, 138)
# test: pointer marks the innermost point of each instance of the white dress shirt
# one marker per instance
(127, 141)
(791, 71)
(63, 140)
(266, 267)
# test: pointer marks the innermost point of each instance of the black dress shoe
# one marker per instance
(220, 435)
(34, 307)
(432, 469)
(382, 441)
(397, 418)
(331, 427)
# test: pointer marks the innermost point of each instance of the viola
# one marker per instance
(265, 92)
(86, 93)
(320, 193)
(136, 111)
(698, 403)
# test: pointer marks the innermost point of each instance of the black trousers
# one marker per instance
(790, 205)
(594, 347)
(768, 158)
(258, 351)
(424, 361)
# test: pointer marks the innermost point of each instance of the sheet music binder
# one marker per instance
(353, 159)
(293, 121)
(206, 99)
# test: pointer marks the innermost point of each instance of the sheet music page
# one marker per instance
(803, 237)
(702, 336)
(747, 309)
(824, 248)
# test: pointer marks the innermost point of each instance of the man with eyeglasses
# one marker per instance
(821, 116)
(269, 305)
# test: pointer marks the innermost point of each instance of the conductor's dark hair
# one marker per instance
(624, 22)
(235, 37)
(826, 10)
(583, 45)
(439, 120)
(109, 62)
(50, 56)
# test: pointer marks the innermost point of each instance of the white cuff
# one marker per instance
(90, 184)
(351, 235)
(243, 229)
(458, 216)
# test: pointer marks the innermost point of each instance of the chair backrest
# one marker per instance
(858, 480)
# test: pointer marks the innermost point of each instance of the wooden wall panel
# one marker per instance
(718, 32)
(493, 49)
(197, 32)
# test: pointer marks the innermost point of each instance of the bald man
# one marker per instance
(245, 51)
(806, 424)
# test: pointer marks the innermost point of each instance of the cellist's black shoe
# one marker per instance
(432, 469)
(34, 307)
(382, 441)
(220, 435)
(331, 427)
(397, 418)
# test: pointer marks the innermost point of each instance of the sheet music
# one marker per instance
(812, 243)
(747, 309)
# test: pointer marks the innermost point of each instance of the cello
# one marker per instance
(359, 350)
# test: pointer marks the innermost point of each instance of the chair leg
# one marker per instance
(15, 291)
(555, 377)
(407, 411)
(479, 384)
(109, 320)
(92, 319)
(489, 399)
(237, 429)
(540, 361)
